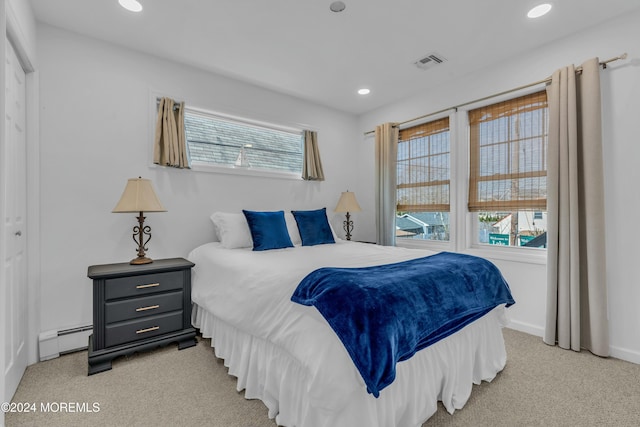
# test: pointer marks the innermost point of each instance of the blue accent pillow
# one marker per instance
(314, 227)
(268, 230)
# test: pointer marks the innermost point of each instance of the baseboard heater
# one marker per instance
(52, 344)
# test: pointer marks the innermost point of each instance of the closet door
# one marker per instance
(14, 193)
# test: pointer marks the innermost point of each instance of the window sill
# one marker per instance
(522, 255)
(230, 170)
(433, 245)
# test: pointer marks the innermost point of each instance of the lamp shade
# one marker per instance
(347, 203)
(138, 196)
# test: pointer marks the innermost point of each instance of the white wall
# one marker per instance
(621, 112)
(96, 130)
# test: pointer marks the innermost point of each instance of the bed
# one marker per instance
(288, 356)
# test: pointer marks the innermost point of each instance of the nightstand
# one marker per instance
(139, 307)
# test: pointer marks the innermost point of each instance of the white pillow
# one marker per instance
(233, 230)
(292, 228)
(335, 236)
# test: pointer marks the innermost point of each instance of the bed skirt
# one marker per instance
(444, 371)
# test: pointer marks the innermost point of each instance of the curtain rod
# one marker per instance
(176, 104)
(455, 107)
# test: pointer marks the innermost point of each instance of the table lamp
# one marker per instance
(348, 203)
(139, 197)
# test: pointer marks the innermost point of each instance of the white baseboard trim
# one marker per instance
(625, 354)
(526, 327)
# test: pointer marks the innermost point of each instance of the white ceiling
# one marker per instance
(301, 48)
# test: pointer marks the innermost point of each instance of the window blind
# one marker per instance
(423, 168)
(508, 155)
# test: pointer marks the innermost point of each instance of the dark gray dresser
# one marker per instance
(139, 307)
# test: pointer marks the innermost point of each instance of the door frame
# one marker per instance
(18, 39)
(10, 26)
(3, 297)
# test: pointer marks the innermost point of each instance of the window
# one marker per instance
(423, 182)
(232, 143)
(508, 171)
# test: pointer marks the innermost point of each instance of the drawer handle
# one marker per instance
(150, 307)
(150, 285)
(142, 331)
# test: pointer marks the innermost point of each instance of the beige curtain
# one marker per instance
(386, 158)
(577, 289)
(170, 146)
(312, 166)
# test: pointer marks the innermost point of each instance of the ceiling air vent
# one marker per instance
(429, 61)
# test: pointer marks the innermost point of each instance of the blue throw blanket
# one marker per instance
(384, 314)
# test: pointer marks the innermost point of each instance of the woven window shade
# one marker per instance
(423, 168)
(508, 155)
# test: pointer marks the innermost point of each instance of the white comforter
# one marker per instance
(251, 292)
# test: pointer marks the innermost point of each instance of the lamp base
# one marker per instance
(139, 231)
(141, 260)
(348, 226)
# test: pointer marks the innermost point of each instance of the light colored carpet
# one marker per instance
(540, 386)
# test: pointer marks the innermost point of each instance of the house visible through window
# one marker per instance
(508, 171)
(423, 182)
(220, 141)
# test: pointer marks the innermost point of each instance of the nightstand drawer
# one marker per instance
(129, 309)
(143, 284)
(147, 327)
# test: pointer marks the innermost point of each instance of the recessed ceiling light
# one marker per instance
(337, 6)
(132, 5)
(539, 10)
(363, 91)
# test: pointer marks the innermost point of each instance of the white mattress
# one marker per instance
(288, 356)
